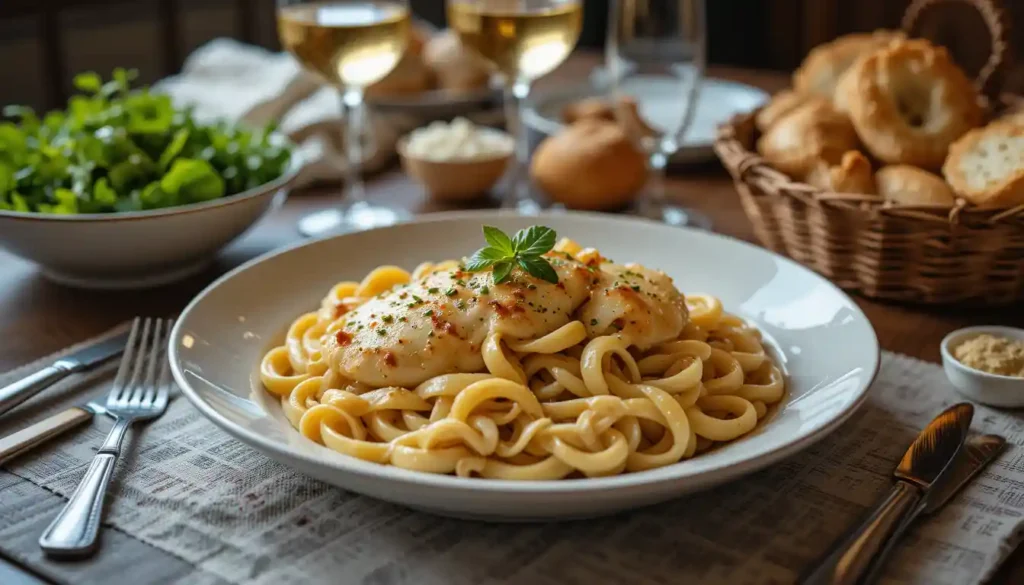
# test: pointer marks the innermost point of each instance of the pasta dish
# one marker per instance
(530, 360)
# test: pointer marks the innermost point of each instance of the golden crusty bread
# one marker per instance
(986, 165)
(808, 134)
(591, 164)
(909, 101)
(852, 175)
(409, 76)
(909, 185)
(781, 104)
(456, 67)
(825, 64)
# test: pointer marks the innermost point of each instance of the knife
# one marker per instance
(109, 346)
(977, 452)
(926, 459)
(33, 435)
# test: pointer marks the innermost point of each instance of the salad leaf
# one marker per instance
(115, 148)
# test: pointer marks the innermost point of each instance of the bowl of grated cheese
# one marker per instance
(456, 161)
(986, 364)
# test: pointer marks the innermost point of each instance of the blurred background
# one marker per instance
(44, 42)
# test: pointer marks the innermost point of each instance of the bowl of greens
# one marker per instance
(122, 189)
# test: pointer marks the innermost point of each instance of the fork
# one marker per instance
(140, 392)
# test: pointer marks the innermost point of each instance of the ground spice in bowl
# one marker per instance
(993, 354)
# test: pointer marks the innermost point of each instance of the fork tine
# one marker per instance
(130, 394)
(156, 353)
(127, 361)
(164, 381)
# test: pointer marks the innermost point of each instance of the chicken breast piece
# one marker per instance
(437, 325)
(641, 304)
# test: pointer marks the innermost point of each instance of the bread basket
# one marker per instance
(883, 251)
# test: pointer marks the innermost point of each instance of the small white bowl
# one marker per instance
(983, 387)
(457, 179)
(138, 249)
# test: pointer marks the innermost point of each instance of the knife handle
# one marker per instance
(17, 392)
(848, 561)
(17, 443)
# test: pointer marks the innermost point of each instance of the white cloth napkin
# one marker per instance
(227, 79)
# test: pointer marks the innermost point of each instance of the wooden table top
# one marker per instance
(38, 317)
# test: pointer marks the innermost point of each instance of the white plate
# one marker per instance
(718, 101)
(825, 344)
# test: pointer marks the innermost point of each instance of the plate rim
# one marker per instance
(372, 471)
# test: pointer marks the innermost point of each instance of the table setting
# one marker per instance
(804, 368)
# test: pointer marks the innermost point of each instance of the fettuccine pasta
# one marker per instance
(440, 370)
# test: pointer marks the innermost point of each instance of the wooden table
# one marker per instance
(37, 317)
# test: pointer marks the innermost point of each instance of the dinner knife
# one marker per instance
(977, 452)
(33, 435)
(928, 456)
(109, 346)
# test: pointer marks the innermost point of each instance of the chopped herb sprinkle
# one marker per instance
(387, 318)
(485, 291)
(381, 332)
(433, 290)
(635, 287)
(531, 286)
(451, 292)
(461, 305)
(593, 322)
(428, 312)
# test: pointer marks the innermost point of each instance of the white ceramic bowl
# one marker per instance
(822, 340)
(986, 388)
(138, 249)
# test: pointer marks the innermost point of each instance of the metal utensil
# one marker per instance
(977, 452)
(140, 392)
(924, 462)
(34, 435)
(110, 346)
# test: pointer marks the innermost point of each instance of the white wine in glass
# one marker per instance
(351, 44)
(655, 56)
(523, 40)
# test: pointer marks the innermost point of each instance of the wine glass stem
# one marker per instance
(654, 193)
(516, 93)
(354, 115)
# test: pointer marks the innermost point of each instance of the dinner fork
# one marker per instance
(140, 392)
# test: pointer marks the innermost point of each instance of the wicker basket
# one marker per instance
(895, 252)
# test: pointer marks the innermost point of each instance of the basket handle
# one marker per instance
(988, 82)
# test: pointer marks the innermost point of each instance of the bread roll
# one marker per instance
(456, 67)
(810, 133)
(591, 164)
(852, 175)
(907, 185)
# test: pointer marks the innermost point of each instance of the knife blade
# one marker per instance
(977, 452)
(36, 434)
(924, 462)
(103, 349)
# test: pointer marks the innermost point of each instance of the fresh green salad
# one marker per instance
(117, 149)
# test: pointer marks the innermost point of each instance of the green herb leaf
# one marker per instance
(534, 240)
(484, 258)
(502, 271)
(525, 250)
(538, 267)
(497, 239)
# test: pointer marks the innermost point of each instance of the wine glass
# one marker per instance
(523, 40)
(351, 44)
(655, 55)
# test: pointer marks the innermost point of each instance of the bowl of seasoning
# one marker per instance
(986, 364)
(456, 161)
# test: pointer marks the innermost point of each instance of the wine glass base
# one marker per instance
(677, 216)
(359, 216)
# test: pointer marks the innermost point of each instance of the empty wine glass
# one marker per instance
(351, 44)
(655, 57)
(523, 40)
